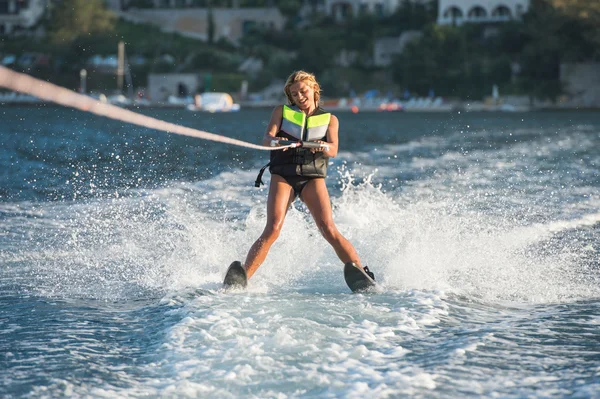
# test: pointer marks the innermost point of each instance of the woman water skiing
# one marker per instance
(300, 172)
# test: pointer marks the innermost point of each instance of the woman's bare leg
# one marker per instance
(316, 198)
(281, 195)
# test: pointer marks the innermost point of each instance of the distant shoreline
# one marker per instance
(20, 100)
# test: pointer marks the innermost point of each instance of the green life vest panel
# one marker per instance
(295, 123)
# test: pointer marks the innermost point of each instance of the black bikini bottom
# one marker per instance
(298, 182)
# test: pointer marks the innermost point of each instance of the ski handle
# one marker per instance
(304, 144)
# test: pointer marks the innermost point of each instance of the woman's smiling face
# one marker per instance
(303, 95)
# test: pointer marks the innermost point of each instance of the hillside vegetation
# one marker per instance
(521, 57)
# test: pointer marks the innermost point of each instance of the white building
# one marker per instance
(341, 9)
(457, 12)
(20, 14)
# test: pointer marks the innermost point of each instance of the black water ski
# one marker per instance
(356, 278)
(236, 276)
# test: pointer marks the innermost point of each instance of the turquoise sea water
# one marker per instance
(483, 230)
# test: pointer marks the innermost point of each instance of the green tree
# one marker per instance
(581, 9)
(439, 60)
(316, 52)
(75, 18)
(465, 62)
(544, 46)
(586, 14)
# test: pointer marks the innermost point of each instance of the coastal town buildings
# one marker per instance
(338, 9)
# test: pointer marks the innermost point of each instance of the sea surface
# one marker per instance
(483, 230)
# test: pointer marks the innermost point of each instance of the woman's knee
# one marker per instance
(329, 231)
(271, 232)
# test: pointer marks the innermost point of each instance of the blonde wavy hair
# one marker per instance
(302, 76)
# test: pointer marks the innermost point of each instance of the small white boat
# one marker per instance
(213, 102)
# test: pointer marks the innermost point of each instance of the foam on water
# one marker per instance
(187, 235)
(476, 257)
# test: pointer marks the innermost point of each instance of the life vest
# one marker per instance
(296, 126)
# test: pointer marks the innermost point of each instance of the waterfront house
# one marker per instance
(457, 12)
